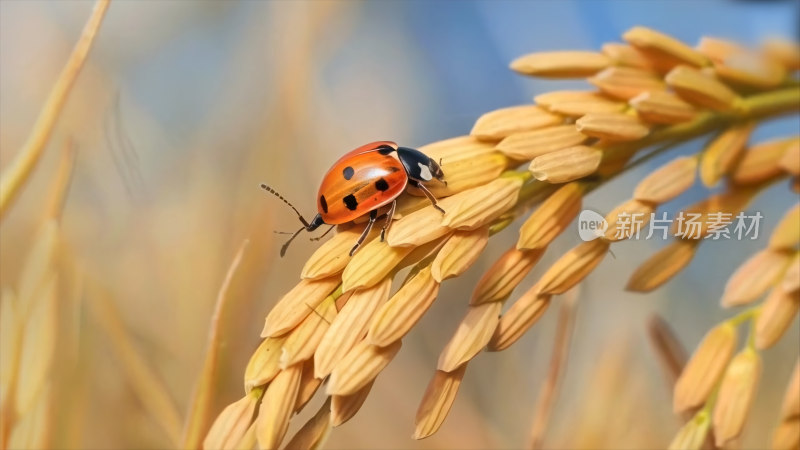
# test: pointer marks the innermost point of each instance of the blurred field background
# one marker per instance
(184, 108)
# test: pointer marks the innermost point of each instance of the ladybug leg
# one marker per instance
(427, 193)
(372, 216)
(313, 239)
(389, 216)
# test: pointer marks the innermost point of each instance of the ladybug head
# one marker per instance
(419, 166)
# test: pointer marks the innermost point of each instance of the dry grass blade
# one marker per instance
(15, 176)
(754, 277)
(669, 350)
(472, 335)
(736, 395)
(297, 304)
(662, 266)
(406, 307)
(496, 125)
(662, 50)
(33, 429)
(530, 144)
(344, 407)
(613, 127)
(668, 181)
(566, 164)
(705, 367)
(360, 366)
(564, 64)
(437, 401)
(552, 217)
(573, 267)
(150, 390)
(277, 407)
(349, 326)
(722, 154)
(199, 414)
(312, 435)
(548, 394)
(504, 275)
(232, 423)
(460, 251)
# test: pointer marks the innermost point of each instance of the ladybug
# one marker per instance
(364, 180)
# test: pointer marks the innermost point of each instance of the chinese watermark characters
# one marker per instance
(686, 225)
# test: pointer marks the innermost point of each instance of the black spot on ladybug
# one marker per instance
(323, 203)
(385, 149)
(350, 202)
(348, 172)
(381, 185)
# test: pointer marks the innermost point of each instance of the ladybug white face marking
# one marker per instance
(424, 172)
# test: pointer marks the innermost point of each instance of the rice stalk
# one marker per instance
(653, 93)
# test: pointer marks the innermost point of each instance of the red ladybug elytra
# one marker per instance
(362, 181)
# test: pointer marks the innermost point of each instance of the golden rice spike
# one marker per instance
(662, 266)
(791, 399)
(518, 319)
(472, 335)
(723, 153)
(458, 254)
(750, 70)
(277, 407)
(579, 103)
(495, 125)
(776, 315)
(626, 83)
(504, 275)
(626, 55)
(736, 395)
(464, 174)
(437, 401)
(613, 127)
(561, 64)
(754, 277)
(790, 161)
(31, 430)
(784, 51)
(349, 326)
(303, 340)
(530, 144)
(663, 51)
(264, 364)
(397, 316)
(566, 164)
(787, 435)
(344, 407)
(717, 49)
(360, 366)
(573, 267)
(668, 181)
(700, 89)
(705, 367)
(309, 384)
(314, 432)
(373, 262)
(232, 423)
(628, 219)
(693, 434)
(552, 217)
(333, 255)
(479, 206)
(457, 149)
(662, 107)
(762, 162)
(297, 304)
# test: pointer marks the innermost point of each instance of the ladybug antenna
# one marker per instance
(276, 194)
(286, 244)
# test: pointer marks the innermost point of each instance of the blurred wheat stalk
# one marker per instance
(342, 324)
